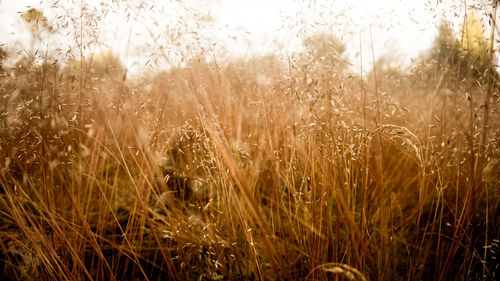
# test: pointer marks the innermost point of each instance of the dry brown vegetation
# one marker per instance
(252, 170)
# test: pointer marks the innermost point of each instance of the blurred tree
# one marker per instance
(105, 64)
(38, 25)
(326, 49)
(474, 36)
(446, 51)
(390, 70)
(476, 46)
(321, 64)
(35, 19)
(3, 55)
(101, 65)
(444, 56)
(457, 60)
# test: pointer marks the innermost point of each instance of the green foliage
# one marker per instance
(446, 51)
(457, 61)
(476, 46)
(445, 55)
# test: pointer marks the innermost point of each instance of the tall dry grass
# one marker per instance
(251, 170)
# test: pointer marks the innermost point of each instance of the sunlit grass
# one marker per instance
(259, 169)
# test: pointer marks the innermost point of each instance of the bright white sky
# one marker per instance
(400, 28)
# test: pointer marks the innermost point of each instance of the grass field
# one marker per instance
(256, 169)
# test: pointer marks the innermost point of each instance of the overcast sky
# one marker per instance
(400, 28)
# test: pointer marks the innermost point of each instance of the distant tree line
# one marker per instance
(458, 58)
